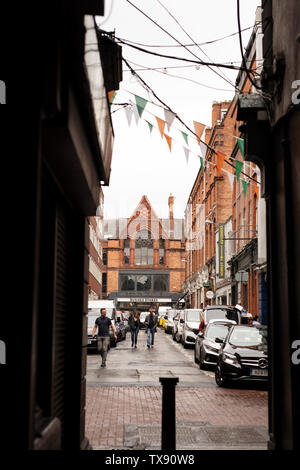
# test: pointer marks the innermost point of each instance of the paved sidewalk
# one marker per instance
(123, 402)
(110, 409)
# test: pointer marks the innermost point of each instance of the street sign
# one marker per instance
(241, 276)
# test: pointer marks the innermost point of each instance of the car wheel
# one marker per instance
(220, 381)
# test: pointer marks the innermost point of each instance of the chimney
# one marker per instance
(171, 215)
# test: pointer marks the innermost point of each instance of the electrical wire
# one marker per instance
(177, 76)
(189, 45)
(169, 34)
(199, 62)
(203, 52)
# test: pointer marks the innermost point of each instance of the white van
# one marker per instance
(94, 307)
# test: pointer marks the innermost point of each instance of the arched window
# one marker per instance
(143, 248)
(161, 251)
(126, 251)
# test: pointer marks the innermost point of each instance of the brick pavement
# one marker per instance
(109, 408)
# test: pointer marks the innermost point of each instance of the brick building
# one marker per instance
(209, 204)
(226, 212)
(95, 285)
(143, 256)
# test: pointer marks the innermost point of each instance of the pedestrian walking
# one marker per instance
(103, 323)
(134, 323)
(151, 323)
(255, 321)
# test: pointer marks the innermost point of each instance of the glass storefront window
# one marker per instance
(127, 282)
(161, 282)
(143, 282)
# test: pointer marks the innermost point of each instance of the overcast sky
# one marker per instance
(142, 162)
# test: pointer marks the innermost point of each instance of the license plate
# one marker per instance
(259, 372)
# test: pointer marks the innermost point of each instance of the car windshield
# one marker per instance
(216, 331)
(193, 315)
(248, 336)
(221, 313)
(94, 313)
(171, 315)
(143, 315)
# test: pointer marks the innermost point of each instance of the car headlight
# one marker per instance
(231, 359)
(210, 348)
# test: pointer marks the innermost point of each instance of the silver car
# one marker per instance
(179, 328)
(206, 348)
(169, 320)
(190, 326)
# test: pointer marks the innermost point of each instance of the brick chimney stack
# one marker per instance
(171, 214)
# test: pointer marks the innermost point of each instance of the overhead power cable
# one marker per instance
(189, 45)
(200, 62)
(176, 40)
(203, 52)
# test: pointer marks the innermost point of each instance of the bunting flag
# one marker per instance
(220, 160)
(245, 185)
(161, 126)
(185, 136)
(199, 128)
(201, 163)
(111, 96)
(150, 126)
(238, 168)
(241, 146)
(187, 154)
(135, 113)
(129, 114)
(140, 104)
(169, 141)
(230, 177)
(203, 149)
(169, 116)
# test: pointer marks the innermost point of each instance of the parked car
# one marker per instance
(93, 314)
(175, 324)
(143, 316)
(179, 329)
(224, 312)
(190, 327)
(206, 348)
(121, 329)
(169, 320)
(243, 355)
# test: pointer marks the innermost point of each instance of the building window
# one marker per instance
(104, 283)
(126, 251)
(161, 282)
(104, 258)
(143, 248)
(127, 282)
(161, 251)
(143, 282)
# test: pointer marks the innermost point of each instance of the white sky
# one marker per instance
(142, 162)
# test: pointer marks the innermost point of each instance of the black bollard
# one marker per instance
(168, 425)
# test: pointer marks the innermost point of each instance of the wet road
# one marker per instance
(143, 366)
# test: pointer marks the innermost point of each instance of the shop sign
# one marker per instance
(221, 252)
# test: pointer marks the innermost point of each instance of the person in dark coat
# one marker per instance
(151, 323)
(134, 323)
